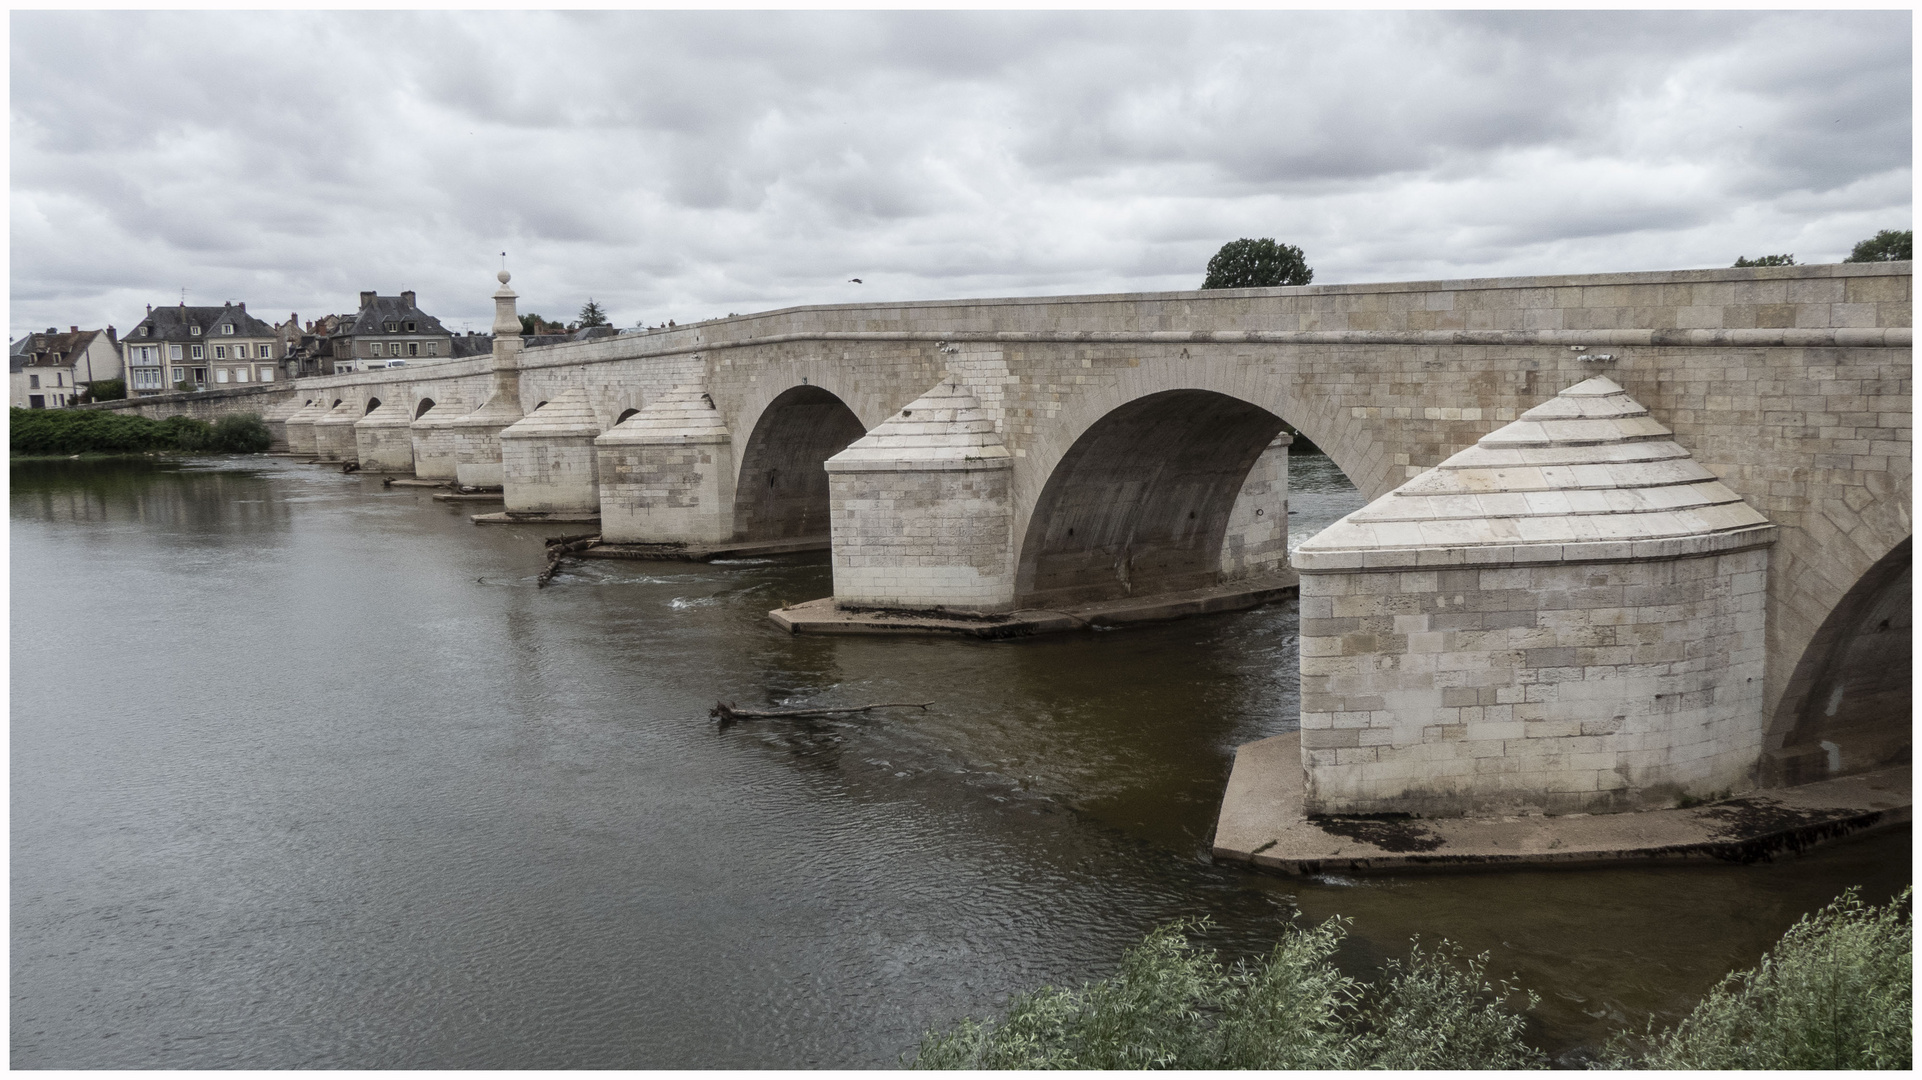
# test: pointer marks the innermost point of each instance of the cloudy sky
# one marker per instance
(687, 165)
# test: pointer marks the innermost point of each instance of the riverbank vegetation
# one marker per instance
(1835, 993)
(65, 432)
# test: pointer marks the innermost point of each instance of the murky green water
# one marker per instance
(307, 773)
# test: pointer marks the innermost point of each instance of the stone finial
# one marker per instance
(1587, 474)
(943, 428)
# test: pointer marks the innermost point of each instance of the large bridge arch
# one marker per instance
(781, 487)
(1352, 444)
(1847, 707)
(1141, 502)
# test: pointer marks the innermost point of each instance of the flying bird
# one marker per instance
(856, 280)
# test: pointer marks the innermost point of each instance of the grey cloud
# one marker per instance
(679, 164)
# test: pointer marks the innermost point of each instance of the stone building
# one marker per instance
(47, 370)
(1567, 616)
(199, 346)
(388, 331)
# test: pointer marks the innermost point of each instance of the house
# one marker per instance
(48, 370)
(199, 347)
(388, 329)
(309, 351)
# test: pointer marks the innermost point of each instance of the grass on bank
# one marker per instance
(1834, 993)
(65, 432)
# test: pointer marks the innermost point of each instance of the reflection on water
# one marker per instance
(307, 773)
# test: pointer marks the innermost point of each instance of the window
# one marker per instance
(33, 381)
(410, 326)
(36, 401)
(240, 352)
(145, 330)
(195, 331)
(226, 328)
(433, 348)
(266, 352)
(266, 374)
(240, 374)
(220, 352)
(220, 375)
(180, 374)
(173, 351)
(60, 378)
(200, 352)
(376, 347)
(393, 328)
(413, 348)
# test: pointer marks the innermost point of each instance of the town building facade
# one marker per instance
(196, 347)
(48, 370)
(388, 331)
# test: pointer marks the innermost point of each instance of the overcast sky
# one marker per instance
(687, 165)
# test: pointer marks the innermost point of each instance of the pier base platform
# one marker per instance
(732, 549)
(1262, 824)
(536, 517)
(824, 617)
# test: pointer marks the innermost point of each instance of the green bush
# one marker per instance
(1834, 993)
(1173, 1006)
(88, 431)
(105, 390)
(1889, 245)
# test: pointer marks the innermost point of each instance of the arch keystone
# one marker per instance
(921, 509)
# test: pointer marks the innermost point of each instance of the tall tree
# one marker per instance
(1885, 246)
(592, 315)
(1249, 264)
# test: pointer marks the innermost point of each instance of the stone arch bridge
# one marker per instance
(1080, 447)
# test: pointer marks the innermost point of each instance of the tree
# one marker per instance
(1765, 260)
(592, 315)
(1251, 264)
(531, 324)
(1885, 246)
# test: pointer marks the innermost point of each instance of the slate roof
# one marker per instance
(1587, 474)
(177, 323)
(50, 349)
(471, 345)
(373, 318)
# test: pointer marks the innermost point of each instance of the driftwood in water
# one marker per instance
(350, 466)
(728, 714)
(559, 548)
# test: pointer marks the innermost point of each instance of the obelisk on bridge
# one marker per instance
(477, 443)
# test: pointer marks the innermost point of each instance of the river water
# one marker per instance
(307, 773)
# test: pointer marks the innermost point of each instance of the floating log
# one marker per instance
(559, 548)
(728, 714)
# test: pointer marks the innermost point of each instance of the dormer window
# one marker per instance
(394, 328)
(195, 331)
(410, 327)
(145, 330)
(226, 328)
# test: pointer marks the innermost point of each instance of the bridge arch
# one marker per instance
(372, 404)
(1141, 502)
(781, 489)
(420, 409)
(1848, 705)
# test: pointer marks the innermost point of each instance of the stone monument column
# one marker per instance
(477, 436)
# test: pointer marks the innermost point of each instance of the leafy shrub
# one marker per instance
(1834, 993)
(1173, 1006)
(241, 433)
(105, 390)
(87, 431)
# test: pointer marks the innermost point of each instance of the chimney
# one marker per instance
(407, 299)
(112, 336)
(366, 299)
(243, 307)
(73, 329)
